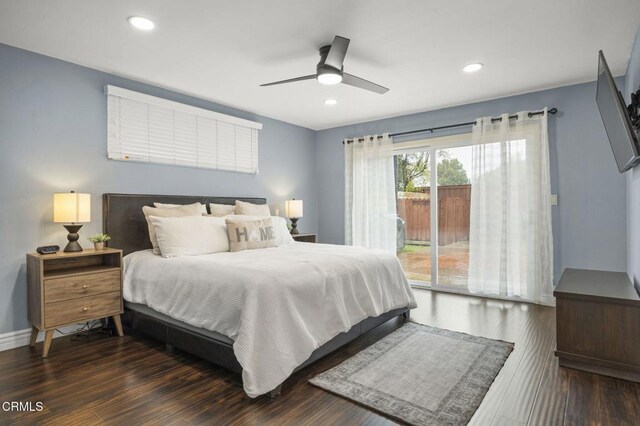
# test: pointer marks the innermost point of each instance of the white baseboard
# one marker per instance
(15, 339)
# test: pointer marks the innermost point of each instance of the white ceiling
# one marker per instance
(222, 50)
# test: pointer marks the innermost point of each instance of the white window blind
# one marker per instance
(154, 130)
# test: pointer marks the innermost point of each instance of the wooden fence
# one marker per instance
(453, 215)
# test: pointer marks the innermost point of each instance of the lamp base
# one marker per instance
(294, 225)
(73, 238)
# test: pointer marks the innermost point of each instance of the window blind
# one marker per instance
(154, 130)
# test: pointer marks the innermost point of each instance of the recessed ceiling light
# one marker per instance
(141, 23)
(330, 101)
(472, 67)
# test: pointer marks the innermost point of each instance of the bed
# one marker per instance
(171, 300)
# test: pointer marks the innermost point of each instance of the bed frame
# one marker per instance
(124, 221)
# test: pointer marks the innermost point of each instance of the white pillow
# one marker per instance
(190, 235)
(171, 206)
(221, 209)
(250, 234)
(188, 210)
(260, 210)
(279, 226)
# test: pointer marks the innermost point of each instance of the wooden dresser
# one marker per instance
(68, 288)
(598, 323)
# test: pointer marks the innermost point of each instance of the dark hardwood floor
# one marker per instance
(132, 380)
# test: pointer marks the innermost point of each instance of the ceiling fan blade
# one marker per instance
(336, 54)
(291, 80)
(352, 80)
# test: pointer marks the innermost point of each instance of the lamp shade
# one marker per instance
(69, 207)
(293, 208)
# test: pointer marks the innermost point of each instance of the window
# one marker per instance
(153, 130)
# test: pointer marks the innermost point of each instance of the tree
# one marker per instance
(412, 170)
(451, 172)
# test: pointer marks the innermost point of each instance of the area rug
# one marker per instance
(421, 375)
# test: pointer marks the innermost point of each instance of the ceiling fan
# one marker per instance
(330, 70)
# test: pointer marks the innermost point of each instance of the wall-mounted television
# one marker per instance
(615, 116)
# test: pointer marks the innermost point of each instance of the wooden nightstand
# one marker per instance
(305, 238)
(67, 288)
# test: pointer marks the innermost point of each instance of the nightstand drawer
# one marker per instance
(83, 308)
(67, 288)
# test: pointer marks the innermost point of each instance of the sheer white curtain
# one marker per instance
(510, 242)
(370, 201)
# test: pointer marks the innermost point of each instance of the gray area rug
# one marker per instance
(421, 375)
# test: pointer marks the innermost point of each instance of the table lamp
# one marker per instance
(293, 210)
(71, 208)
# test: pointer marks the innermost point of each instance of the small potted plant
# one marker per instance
(98, 240)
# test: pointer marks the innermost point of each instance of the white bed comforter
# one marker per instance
(277, 304)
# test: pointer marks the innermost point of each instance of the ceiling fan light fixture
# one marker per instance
(330, 69)
(141, 23)
(473, 67)
(329, 78)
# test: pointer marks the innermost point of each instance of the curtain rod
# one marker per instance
(552, 111)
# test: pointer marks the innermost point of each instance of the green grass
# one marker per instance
(409, 248)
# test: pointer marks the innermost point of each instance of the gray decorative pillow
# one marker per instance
(251, 234)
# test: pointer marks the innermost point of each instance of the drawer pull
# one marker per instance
(85, 309)
(85, 286)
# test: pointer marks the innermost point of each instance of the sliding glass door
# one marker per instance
(475, 212)
(453, 214)
(433, 205)
(413, 201)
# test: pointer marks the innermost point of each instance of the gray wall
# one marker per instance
(589, 224)
(632, 83)
(53, 138)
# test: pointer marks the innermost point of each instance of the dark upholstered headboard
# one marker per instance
(123, 220)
